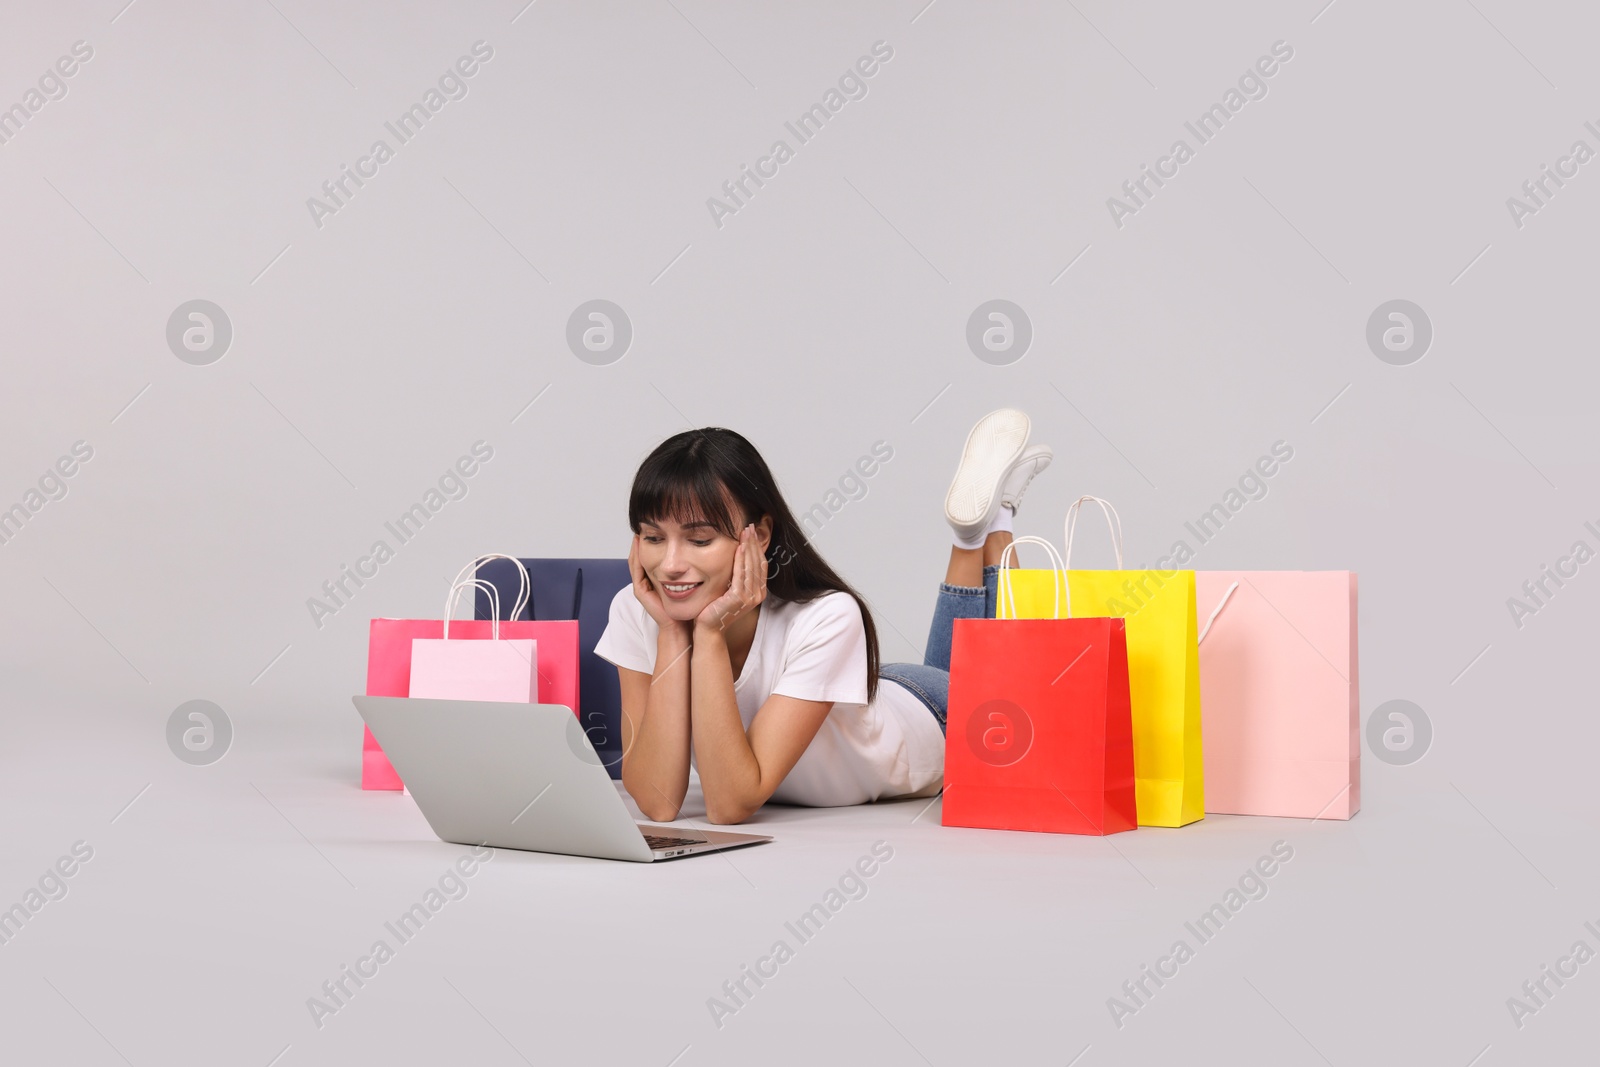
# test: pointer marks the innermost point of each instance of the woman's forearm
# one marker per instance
(730, 775)
(655, 767)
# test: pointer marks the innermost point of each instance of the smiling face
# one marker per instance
(690, 563)
(687, 515)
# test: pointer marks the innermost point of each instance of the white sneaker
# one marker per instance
(1034, 459)
(992, 451)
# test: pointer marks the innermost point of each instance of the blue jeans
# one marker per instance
(929, 681)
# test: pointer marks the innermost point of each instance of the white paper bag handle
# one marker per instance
(524, 585)
(1113, 520)
(494, 602)
(1215, 612)
(1008, 596)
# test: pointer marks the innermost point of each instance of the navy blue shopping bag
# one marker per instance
(573, 589)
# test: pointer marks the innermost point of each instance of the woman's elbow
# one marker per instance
(729, 813)
(657, 812)
(652, 805)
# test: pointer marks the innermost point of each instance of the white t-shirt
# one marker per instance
(892, 747)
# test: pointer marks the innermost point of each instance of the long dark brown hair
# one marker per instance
(697, 474)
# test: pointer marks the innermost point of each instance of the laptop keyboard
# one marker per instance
(658, 842)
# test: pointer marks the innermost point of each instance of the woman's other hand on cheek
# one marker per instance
(746, 589)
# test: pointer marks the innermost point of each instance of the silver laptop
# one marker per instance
(520, 776)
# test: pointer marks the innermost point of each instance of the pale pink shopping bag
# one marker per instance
(1279, 694)
(496, 669)
(499, 669)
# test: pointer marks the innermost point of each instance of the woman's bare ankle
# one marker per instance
(994, 547)
(966, 567)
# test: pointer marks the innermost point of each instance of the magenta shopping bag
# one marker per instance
(391, 643)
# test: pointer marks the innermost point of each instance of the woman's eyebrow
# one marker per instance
(698, 524)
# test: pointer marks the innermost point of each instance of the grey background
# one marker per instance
(828, 314)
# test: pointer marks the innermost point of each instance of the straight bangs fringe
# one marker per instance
(683, 492)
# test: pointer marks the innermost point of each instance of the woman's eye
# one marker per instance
(699, 544)
(651, 539)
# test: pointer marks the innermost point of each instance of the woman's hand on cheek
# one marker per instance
(746, 590)
(646, 593)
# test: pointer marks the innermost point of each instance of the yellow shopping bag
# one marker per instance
(1163, 666)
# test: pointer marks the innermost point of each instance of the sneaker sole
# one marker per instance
(992, 447)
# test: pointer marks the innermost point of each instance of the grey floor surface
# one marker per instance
(219, 899)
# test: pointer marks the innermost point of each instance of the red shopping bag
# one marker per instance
(1039, 734)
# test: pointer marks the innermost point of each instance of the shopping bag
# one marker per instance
(501, 669)
(1163, 667)
(389, 647)
(1039, 734)
(578, 589)
(1279, 694)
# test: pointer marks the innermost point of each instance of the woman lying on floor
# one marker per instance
(742, 653)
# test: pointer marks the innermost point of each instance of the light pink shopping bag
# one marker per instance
(496, 669)
(500, 669)
(1279, 694)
